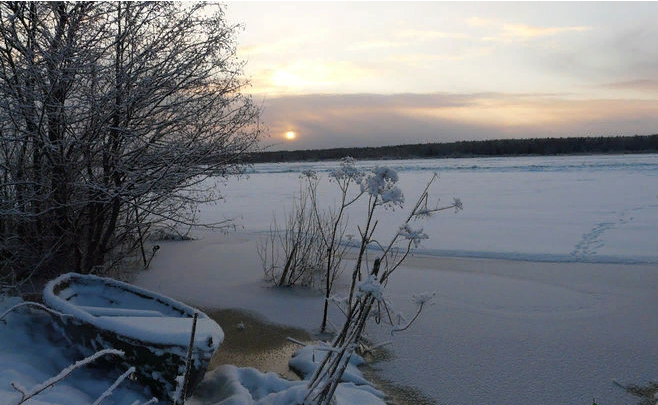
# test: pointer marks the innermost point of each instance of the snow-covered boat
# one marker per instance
(153, 330)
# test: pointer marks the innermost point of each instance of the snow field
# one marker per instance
(574, 308)
(29, 358)
(569, 305)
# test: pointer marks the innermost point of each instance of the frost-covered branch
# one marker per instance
(30, 303)
(39, 388)
(112, 387)
(377, 346)
(421, 300)
(153, 400)
(296, 341)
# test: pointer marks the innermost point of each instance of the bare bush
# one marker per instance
(113, 116)
(294, 254)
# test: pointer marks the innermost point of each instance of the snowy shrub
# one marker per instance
(311, 245)
(294, 255)
(310, 248)
(366, 300)
(114, 116)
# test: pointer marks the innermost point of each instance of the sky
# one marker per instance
(345, 74)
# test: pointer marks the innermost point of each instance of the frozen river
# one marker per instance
(545, 283)
(567, 208)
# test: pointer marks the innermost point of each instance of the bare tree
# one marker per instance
(113, 118)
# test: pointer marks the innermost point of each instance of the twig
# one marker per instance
(296, 341)
(36, 390)
(154, 251)
(377, 346)
(398, 329)
(618, 384)
(333, 325)
(149, 402)
(112, 387)
(36, 304)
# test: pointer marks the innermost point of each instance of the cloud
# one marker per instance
(283, 45)
(515, 32)
(480, 22)
(622, 56)
(644, 85)
(524, 32)
(424, 35)
(418, 59)
(406, 36)
(272, 47)
(326, 121)
(527, 31)
(306, 76)
(377, 44)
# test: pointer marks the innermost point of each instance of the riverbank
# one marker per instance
(252, 341)
(467, 149)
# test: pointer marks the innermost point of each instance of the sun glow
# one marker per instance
(290, 135)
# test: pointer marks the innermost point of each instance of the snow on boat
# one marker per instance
(153, 330)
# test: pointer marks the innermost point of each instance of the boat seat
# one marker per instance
(110, 311)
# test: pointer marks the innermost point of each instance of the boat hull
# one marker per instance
(155, 346)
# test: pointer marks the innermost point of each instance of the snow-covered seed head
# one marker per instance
(423, 298)
(380, 183)
(347, 171)
(415, 236)
(371, 286)
(309, 174)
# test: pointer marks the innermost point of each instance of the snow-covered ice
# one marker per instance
(568, 305)
(501, 331)
(563, 208)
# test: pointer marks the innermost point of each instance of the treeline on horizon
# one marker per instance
(496, 147)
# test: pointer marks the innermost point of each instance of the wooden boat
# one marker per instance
(153, 330)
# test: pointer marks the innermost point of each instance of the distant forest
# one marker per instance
(497, 147)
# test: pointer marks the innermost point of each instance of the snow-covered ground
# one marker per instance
(31, 354)
(545, 284)
(569, 305)
(39, 366)
(502, 332)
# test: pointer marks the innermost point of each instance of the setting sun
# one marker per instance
(290, 135)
